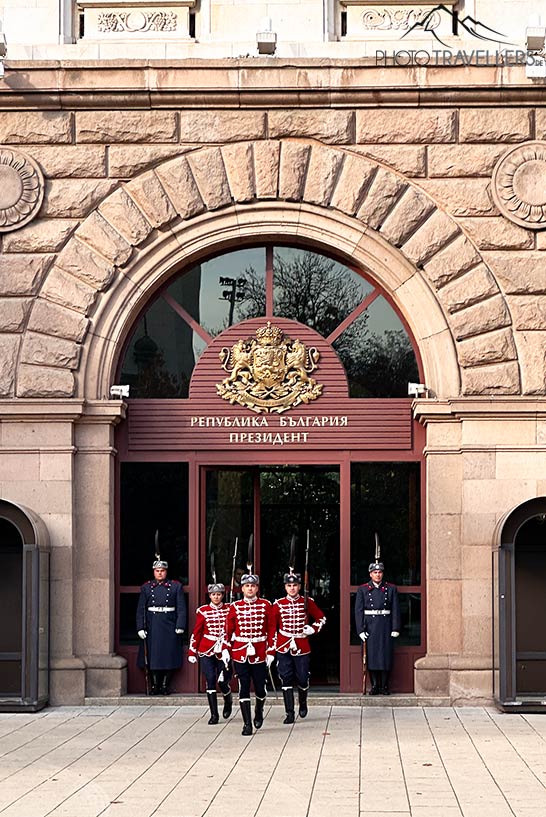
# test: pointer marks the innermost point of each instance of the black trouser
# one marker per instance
(212, 667)
(293, 669)
(257, 673)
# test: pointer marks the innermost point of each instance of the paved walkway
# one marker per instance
(340, 762)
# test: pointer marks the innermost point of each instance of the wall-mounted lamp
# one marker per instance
(266, 39)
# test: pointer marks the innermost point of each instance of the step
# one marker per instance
(314, 700)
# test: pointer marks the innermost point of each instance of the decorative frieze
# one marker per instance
(400, 19)
(137, 21)
(21, 189)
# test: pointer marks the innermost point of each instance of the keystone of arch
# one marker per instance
(225, 196)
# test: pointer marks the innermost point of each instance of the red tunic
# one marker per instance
(209, 634)
(290, 618)
(250, 630)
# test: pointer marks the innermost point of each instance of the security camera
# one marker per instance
(417, 389)
(119, 391)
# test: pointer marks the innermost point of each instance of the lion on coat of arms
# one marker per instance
(269, 372)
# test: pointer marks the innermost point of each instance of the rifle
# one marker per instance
(306, 574)
(364, 667)
(146, 666)
(232, 588)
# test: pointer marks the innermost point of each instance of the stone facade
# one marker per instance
(144, 166)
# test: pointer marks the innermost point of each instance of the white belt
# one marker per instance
(218, 641)
(161, 609)
(377, 612)
(292, 635)
(250, 640)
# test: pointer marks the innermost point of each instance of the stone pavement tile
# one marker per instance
(367, 813)
(514, 778)
(337, 781)
(28, 732)
(53, 790)
(290, 787)
(382, 782)
(528, 743)
(469, 777)
(109, 786)
(434, 811)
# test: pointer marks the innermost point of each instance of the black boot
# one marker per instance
(228, 705)
(302, 700)
(288, 696)
(154, 690)
(259, 713)
(165, 683)
(385, 682)
(247, 717)
(374, 678)
(213, 705)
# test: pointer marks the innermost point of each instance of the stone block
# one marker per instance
(66, 290)
(511, 465)
(45, 350)
(457, 258)
(462, 160)
(55, 466)
(84, 263)
(74, 198)
(102, 237)
(494, 124)
(150, 196)
(122, 213)
(476, 565)
(43, 381)
(444, 546)
(494, 347)
(472, 686)
(478, 464)
(33, 127)
(14, 313)
(445, 632)
(430, 238)
(540, 123)
(9, 348)
(407, 159)
(177, 179)
(22, 273)
(421, 126)
(462, 197)
(41, 235)
(383, 193)
(126, 161)
(485, 433)
(206, 127)
(239, 164)
(492, 233)
(266, 169)
(132, 126)
(333, 127)
(528, 312)
(444, 484)
(53, 319)
(469, 289)
(17, 434)
(408, 213)
(532, 360)
(496, 378)
(72, 161)
(293, 170)
(210, 176)
(478, 528)
(431, 682)
(19, 466)
(352, 183)
(322, 174)
(443, 435)
(67, 684)
(519, 273)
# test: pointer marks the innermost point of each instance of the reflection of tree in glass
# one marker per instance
(379, 365)
(154, 380)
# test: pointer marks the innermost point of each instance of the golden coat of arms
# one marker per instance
(270, 372)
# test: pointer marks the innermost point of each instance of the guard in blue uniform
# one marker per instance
(161, 620)
(377, 615)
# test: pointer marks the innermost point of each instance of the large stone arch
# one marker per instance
(218, 197)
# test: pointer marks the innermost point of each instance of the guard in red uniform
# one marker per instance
(208, 641)
(291, 615)
(250, 635)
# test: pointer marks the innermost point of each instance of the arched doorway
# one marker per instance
(203, 470)
(520, 631)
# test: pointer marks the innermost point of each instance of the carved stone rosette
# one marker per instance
(519, 185)
(21, 189)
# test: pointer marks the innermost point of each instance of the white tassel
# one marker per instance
(250, 650)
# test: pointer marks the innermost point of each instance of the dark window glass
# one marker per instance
(410, 630)
(377, 353)
(385, 500)
(154, 496)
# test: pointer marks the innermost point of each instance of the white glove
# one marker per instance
(142, 634)
(308, 630)
(179, 632)
(363, 636)
(226, 657)
(269, 660)
(395, 634)
(192, 659)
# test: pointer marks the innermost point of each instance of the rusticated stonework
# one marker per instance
(21, 189)
(519, 185)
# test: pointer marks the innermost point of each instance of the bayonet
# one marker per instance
(232, 588)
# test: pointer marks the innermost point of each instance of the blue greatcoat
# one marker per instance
(379, 645)
(164, 645)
